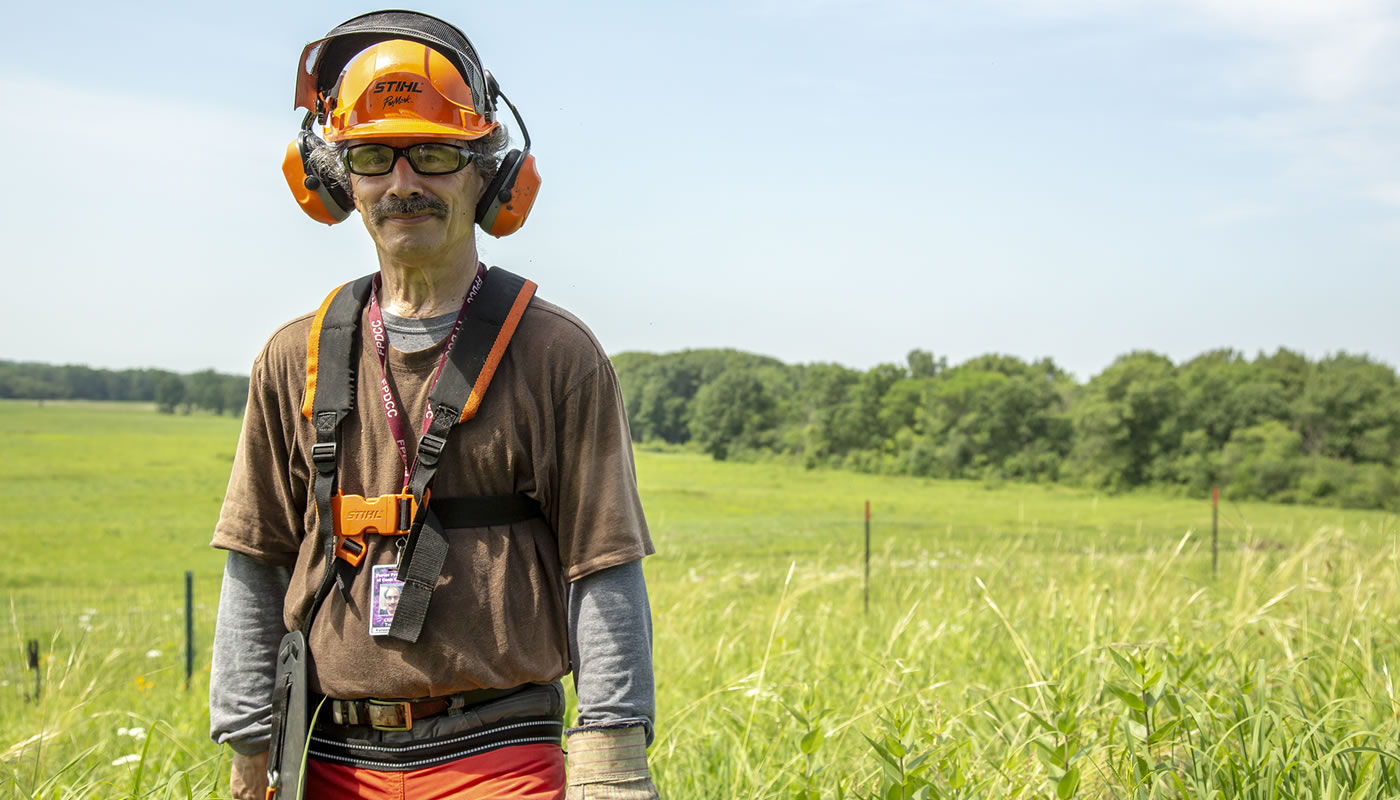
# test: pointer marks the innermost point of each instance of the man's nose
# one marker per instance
(403, 180)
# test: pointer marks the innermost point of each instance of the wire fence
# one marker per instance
(52, 627)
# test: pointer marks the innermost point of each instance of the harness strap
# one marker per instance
(392, 515)
(475, 512)
(490, 323)
(330, 397)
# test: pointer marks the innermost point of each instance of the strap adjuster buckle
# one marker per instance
(430, 448)
(323, 456)
(388, 715)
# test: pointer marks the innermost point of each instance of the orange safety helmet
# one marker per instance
(403, 88)
(402, 73)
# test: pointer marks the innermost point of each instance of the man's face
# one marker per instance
(412, 216)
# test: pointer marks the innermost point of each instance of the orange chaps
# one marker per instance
(519, 772)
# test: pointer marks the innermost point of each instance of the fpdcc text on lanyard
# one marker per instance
(386, 392)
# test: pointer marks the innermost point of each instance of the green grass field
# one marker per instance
(1021, 641)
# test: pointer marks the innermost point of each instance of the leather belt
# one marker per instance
(398, 715)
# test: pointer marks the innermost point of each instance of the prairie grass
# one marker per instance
(1021, 641)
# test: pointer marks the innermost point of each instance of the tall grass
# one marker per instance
(1022, 641)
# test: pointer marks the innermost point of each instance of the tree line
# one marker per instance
(1277, 427)
(206, 390)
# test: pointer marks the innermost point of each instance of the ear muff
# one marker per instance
(321, 198)
(507, 201)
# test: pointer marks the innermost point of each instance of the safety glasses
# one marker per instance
(431, 158)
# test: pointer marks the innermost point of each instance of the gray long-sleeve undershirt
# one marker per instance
(609, 621)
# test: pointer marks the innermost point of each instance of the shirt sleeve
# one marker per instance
(594, 508)
(610, 645)
(266, 498)
(246, 636)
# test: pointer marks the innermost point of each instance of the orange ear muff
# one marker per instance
(322, 199)
(507, 201)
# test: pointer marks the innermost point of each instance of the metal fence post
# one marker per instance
(189, 628)
(32, 648)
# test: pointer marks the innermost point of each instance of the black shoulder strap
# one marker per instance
(330, 397)
(487, 330)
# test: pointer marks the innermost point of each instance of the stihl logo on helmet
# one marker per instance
(381, 87)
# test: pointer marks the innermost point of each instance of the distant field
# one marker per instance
(1022, 641)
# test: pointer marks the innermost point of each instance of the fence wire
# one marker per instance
(51, 627)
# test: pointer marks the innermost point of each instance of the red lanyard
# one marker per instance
(386, 392)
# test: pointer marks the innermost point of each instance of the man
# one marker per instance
(411, 137)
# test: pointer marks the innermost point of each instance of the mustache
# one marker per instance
(413, 204)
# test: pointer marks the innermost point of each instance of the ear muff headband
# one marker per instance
(508, 199)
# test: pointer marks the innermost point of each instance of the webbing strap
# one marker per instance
(489, 325)
(330, 356)
(476, 512)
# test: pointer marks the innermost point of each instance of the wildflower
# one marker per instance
(126, 759)
(152, 654)
(136, 733)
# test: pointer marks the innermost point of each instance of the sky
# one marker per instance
(815, 180)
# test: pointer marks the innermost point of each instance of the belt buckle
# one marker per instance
(390, 715)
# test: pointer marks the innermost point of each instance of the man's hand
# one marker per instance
(613, 760)
(248, 780)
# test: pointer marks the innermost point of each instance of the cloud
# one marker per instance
(1330, 67)
(1318, 78)
(1328, 51)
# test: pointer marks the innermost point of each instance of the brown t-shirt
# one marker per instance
(551, 425)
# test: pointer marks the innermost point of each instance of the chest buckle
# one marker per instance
(356, 515)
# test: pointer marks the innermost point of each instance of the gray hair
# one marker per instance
(329, 159)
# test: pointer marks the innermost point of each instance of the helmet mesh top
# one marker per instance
(349, 38)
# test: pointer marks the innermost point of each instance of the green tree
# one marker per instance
(1262, 462)
(819, 390)
(922, 364)
(1125, 422)
(205, 390)
(979, 422)
(1350, 410)
(733, 412)
(170, 392)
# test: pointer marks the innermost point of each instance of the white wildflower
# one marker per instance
(126, 759)
(152, 654)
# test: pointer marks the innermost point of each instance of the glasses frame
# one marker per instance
(464, 157)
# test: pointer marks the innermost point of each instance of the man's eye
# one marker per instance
(434, 157)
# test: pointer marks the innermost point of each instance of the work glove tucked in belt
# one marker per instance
(609, 764)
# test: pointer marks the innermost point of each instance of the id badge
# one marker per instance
(385, 588)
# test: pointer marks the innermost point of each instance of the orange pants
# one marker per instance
(521, 772)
